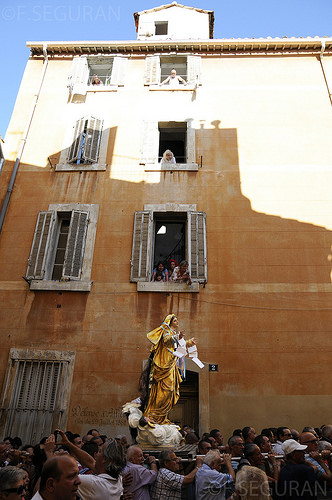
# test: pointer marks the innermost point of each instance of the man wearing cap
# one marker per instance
(313, 457)
(296, 479)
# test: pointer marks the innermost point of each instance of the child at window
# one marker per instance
(159, 276)
(172, 266)
(160, 268)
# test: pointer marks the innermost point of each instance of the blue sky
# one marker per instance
(39, 20)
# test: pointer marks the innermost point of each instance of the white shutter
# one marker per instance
(72, 265)
(74, 149)
(119, 70)
(36, 400)
(197, 246)
(142, 246)
(194, 70)
(146, 28)
(92, 140)
(41, 245)
(152, 70)
(79, 74)
(149, 142)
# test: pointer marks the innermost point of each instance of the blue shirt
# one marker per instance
(211, 484)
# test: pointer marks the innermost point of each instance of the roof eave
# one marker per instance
(215, 45)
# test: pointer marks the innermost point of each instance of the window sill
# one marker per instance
(71, 167)
(102, 88)
(164, 88)
(157, 167)
(166, 287)
(63, 286)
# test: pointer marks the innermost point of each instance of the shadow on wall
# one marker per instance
(243, 246)
(268, 263)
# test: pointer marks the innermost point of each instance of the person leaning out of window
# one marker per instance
(168, 157)
(171, 267)
(158, 271)
(181, 273)
(174, 80)
(96, 80)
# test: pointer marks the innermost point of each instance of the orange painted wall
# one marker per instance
(263, 131)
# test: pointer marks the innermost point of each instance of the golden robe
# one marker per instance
(165, 377)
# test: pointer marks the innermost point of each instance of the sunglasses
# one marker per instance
(18, 490)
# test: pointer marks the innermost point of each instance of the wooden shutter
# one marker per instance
(77, 140)
(79, 74)
(197, 246)
(73, 261)
(149, 142)
(41, 245)
(119, 70)
(152, 70)
(194, 70)
(36, 401)
(142, 246)
(92, 140)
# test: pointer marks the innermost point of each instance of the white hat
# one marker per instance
(291, 445)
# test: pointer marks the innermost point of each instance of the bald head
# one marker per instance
(307, 436)
(135, 455)
(327, 431)
(59, 479)
(310, 440)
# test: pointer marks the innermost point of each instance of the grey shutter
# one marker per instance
(37, 398)
(119, 70)
(197, 246)
(73, 261)
(79, 74)
(41, 245)
(92, 140)
(149, 142)
(142, 246)
(194, 70)
(152, 70)
(74, 149)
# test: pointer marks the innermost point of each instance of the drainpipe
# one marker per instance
(23, 140)
(323, 69)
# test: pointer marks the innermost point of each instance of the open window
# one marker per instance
(179, 137)
(111, 71)
(161, 234)
(161, 28)
(62, 248)
(158, 67)
(173, 136)
(170, 238)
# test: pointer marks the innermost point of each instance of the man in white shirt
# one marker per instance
(106, 481)
(174, 80)
(59, 479)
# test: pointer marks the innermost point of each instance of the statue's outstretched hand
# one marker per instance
(181, 334)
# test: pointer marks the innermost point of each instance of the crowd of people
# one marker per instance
(279, 463)
(174, 272)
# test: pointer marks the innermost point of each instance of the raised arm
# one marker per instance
(82, 456)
